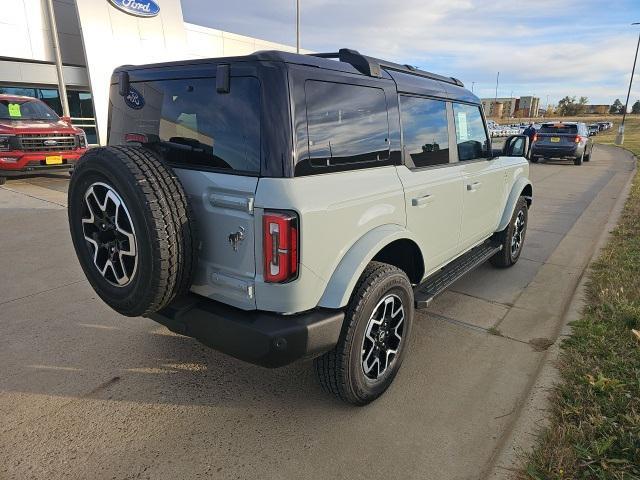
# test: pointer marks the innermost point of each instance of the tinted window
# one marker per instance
(559, 128)
(425, 131)
(346, 124)
(191, 124)
(470, 133)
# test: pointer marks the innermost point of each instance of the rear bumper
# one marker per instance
(263, 338)
(555, 151)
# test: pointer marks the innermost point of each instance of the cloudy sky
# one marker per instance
(541, 47)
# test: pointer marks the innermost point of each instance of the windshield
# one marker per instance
(26, 110)
(559, 128)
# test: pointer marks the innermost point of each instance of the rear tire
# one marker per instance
(512, 237)
(132, 228)
(362, 366)
(534, 159)
(3, 180)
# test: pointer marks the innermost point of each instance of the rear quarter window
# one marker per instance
(347, 127)
(191, 124)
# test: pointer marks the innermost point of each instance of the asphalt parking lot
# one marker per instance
(85, 393)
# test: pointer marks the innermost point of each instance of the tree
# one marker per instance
(636, 107)
(569, 106)
(617, 108)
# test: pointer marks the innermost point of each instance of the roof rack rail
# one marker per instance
(373, 66)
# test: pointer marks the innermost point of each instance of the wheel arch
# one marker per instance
(521, 188)
(391, 244)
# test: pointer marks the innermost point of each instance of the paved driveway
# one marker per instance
(85, 393)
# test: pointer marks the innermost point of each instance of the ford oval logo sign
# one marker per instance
(139, 8)
(134, 99)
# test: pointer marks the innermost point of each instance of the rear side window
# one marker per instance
(191, 124)
(347, 124)
(471, 136)
(425, 131)
(559, 128)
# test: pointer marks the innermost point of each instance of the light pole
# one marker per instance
(297, 26)
(620, 136)
(472, 85)
(495, 100)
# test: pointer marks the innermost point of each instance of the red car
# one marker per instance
(33, 138)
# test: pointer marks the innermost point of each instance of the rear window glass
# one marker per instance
(347, 124)
(191, 124)
(559, 129)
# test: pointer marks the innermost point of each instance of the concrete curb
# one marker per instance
(532, 411)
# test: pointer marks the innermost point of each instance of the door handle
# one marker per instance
(472, 187)
(420, 201)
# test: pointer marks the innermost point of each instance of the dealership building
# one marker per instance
(52, 47)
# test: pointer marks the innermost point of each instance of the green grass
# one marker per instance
(594, 430)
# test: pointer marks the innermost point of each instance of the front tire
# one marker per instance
(578, 160)
(512, 237)
(374, 337)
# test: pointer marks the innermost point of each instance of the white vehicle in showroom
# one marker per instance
(278, 206)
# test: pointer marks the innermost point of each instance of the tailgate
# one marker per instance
(223, 208)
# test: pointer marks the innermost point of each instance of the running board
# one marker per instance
(440, 281)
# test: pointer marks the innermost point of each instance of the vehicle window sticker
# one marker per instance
(14, 110)
(463, 133)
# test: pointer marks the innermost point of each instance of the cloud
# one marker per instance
(549, 47)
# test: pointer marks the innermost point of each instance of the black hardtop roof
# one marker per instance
(407, 77)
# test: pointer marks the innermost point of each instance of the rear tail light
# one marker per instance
(280, 246)
(135, 137)
(535, 137)
(578, 139)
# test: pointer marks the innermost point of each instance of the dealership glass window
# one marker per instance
(197, 126)
(347, 124)
(425, 131)
(51, 97)
(25, 91)
(471, 136)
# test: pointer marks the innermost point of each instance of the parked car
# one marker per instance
(562, 140)
(593, 129)
(34, 139)
(320, 228)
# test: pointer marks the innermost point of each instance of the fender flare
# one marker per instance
(516, 190)
(344, 278)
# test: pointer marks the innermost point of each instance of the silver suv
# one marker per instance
(279, 206)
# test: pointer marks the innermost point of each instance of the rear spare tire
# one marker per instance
(132, 228)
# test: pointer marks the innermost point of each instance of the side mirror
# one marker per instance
(516, 146)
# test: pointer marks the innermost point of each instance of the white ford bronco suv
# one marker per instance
(278, 206)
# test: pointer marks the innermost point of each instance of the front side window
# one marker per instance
(471, 136)
(347, 124)
(425, 131)
(191, 124)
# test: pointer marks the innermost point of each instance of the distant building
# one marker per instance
(597, 109)
(529, 106)
(499, 107)
(511, 107)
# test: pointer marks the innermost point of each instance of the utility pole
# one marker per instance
(472, 85)
(297, 26)
(620, 137)
(58, 58)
